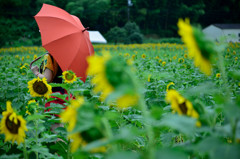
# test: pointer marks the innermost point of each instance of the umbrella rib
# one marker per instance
(61, 38)
(75, 24)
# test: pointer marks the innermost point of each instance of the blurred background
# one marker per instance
(120, 21)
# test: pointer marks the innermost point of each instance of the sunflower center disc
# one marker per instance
(39, 87)
(69, 76)
(183, 107)
(11, 126)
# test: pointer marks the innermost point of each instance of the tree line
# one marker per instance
(155, 18)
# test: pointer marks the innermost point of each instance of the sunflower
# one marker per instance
(218, 75)
(126, 101)
(69, 77)
(12, 125)
(34, 57)
(85, 137)
(126, 55)
(149, 78)
(181, 60)
(181, 105)
(199, 47)
(163, 63)
(143, 56)
(70, 114)
(169, 85)
(97, 69)
(39, 88)
(108, 75)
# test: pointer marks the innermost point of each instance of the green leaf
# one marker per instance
(35, 117)
(235, 74)
(173, 153)
(217, 149)
(123, 155)
(184, 124)
(13, 156)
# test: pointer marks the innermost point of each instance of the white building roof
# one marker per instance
(96, 37)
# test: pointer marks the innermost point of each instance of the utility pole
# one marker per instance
(128, 9)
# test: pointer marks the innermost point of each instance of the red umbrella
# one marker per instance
(66, 39)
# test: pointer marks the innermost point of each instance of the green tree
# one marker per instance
(116, 35)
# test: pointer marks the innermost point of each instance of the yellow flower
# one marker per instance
(149, 78)
(218, 75)
(143, 56)
(185, 56)
(34, 57)
(97, 69)
(39, 88)
(234, 52)
(126, 55)
(27, 112)
(181, 105)
(107, 78)
(169, 84)
(163, 63)
(32, 101)
(174, 57)
(12, 125)
(157, 57)
(160, 60)
(70, 114)
(201, 57)
(77, 140)
(236, 58)
(22, 67)
(180, 60)
(27, 56)
(69, 77)
(133, 57)
(126, 101)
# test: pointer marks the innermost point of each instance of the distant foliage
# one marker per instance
(116, 35)
(128, 34)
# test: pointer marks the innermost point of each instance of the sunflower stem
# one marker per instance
(221, 67)
(146, 116)
(68, 150)
(234, 128)
(36, 136)
(108, 131)
(25, 150)
(150, 134)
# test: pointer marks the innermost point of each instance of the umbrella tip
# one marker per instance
(85, 29)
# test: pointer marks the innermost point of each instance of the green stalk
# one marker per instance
(221, 67)
(108, 131)
(36, 136)
(69, 150)
(146, 115)
(25, 150)
(234, 128)
(150, 134)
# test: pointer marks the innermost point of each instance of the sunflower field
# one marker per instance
(140, 101)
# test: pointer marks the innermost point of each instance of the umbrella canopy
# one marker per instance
(65, 38)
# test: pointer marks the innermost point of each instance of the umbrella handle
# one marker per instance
(36, 60)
